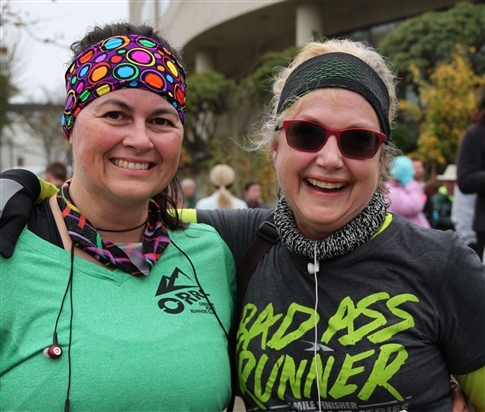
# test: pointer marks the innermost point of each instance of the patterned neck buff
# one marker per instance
(84, 235)
(122, 62)
(338, 70)
(355, 233)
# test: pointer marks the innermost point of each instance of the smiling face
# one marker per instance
(126, 146)
(325, 189)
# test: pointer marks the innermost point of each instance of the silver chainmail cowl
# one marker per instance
(355, 233)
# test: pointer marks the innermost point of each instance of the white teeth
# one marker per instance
(325, 185)
(130, 165)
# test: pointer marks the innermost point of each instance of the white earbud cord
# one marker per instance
(315, 346)
(316, 268)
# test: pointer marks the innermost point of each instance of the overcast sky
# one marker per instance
(40, 66)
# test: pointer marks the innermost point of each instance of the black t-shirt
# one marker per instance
(395, 317)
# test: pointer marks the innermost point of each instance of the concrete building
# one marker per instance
(229, 36)
(21, 146)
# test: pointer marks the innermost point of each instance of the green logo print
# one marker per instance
(367, 324)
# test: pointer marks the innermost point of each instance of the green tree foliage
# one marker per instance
(7, 60)
(7, 88)
(215, 103)
(255, 88)
(430, 39)
(44, 126)
(448, 100)
(208, 95)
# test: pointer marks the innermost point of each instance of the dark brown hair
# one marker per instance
(98, 34)
(58, 170)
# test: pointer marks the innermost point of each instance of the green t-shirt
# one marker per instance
(144, 343)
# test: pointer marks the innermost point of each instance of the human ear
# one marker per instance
(274, 152)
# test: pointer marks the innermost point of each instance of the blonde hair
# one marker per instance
(222, 176)
(267, 135)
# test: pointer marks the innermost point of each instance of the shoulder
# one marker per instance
(201, 240)
(234, 219)
(477, 128)
(474, 132)
(419, 240)
(431, 255)
(195, 230)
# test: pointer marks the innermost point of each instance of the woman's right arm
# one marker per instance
(237, 227)
(20, 189)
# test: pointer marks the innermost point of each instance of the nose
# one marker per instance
(329, 156)
(138, 137)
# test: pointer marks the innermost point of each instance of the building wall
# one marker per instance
(23, 147)
(229, 36)
(19, 148)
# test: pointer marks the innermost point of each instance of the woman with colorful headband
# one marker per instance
(132, 309)
(354, 308)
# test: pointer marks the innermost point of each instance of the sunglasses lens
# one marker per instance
(305, 136)
(359, 143)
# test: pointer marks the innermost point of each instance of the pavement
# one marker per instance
(239, 405)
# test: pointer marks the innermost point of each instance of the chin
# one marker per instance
(134, 193)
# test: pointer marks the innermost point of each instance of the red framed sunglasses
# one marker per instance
(355, 143)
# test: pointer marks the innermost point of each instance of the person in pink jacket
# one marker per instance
(406, 196)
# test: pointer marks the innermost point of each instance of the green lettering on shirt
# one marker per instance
(382, 372)
(363, 309)
(343, 319)
(260, 396)
(392, 330)
(289, 375)
(261, 326)
(280, 340)
(310, 379)
(340, 388)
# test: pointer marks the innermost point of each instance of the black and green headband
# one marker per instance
(338, 70)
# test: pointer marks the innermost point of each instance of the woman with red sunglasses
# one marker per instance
(354, 309)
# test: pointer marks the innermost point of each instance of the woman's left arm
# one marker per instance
(462, 335)
(473, 384)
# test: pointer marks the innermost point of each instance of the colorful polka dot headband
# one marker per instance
(121, 62)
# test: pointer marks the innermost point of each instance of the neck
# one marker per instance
(122, 230)
(119, 221)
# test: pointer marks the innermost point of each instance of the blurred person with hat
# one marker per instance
(406, 197)
(443, 200)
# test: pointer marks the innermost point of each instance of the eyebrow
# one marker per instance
(126, 106)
